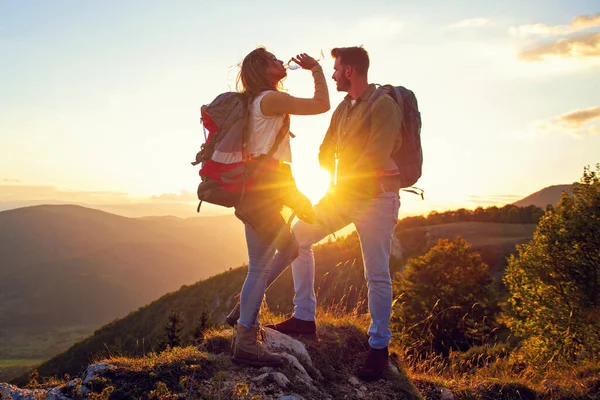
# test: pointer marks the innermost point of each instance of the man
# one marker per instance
(361, 138)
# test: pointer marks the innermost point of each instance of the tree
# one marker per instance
(202, 323)
(554, 281)
(445, 299)
(172, 330)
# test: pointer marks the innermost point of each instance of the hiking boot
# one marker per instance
(249, 350)
(295, 326)
(234, 315)
(375, 366)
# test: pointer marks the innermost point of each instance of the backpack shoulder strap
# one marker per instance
(390, 90)
(247, 100)
(280, 135)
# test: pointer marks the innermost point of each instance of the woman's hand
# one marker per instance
(305, 61)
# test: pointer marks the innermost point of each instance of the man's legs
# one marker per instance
(330, 217)
(375, 228)
(303, 269)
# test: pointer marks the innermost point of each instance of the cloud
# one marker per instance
(183, 195)
(470, 23)
(578, 117)
(14, 191)
(569, 42)
(581, 46)
(578, 122)
(22, 195)
(493, 199)
(577, 24)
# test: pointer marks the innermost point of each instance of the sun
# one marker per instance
(313, 182)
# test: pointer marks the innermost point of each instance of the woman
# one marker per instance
(260, 78)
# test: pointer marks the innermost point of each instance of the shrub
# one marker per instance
(445, 300)
(554, 281)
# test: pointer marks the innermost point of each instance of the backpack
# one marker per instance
(409, 158)
(225, 172)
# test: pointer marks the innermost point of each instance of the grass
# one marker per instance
(11, 368)
(24, 345)
(19, 362)
(484, 372)
(492, 372)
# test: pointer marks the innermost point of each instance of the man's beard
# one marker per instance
(342, 84)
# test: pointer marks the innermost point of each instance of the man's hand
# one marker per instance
(305, 61)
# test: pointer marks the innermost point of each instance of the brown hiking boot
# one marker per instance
(249, 350)
(295, 326)
(375, 366)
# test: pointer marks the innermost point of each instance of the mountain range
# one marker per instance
(547, 196)
(67, 266)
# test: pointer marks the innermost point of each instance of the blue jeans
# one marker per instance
(261, 250)
(375, 220)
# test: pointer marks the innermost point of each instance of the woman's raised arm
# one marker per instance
(276, 103)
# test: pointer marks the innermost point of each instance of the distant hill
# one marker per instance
(339, 280)
(494, 241)
(68, 268)
(547, 196)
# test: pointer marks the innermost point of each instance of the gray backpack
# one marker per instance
(409, 158)
(225, 171)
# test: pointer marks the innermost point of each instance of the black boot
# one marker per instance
(375, 366)
(295, 326)
(234, 315)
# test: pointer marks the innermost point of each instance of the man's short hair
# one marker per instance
(355, 57)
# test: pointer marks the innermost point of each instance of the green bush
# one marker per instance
(445, 300)
(554, 281)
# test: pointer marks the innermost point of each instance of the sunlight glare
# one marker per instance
(313, 183)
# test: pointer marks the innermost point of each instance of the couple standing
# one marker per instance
(358, 144)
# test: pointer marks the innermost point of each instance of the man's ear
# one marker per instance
(349, 71)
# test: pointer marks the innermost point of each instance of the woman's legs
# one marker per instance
(248, 349)
(260, 254)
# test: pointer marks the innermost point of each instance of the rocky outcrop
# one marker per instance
(298, 379)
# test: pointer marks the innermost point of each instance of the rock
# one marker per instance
(363, 389)
(354, 381)
(260, 377)
(95, 370)
(78, 384)
(8, 391)
(56, 394)
(296, 364)
(266, 369)
(280, 379)
(308, 384)
(360, 394)
(278, 342)
(446, 395)
(292, 397)
(393, 369)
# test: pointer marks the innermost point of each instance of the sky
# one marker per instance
(99, 100)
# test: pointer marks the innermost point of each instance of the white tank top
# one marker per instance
(263, 130)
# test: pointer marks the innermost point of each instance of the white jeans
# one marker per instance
(375, 220)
